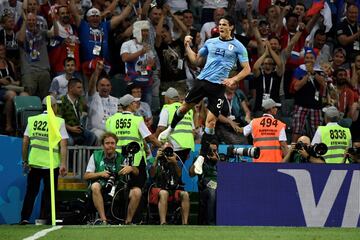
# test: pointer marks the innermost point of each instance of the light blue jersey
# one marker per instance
(222, 56)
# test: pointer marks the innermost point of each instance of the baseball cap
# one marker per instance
(340, 49)
(171, 93)
(269, 103)
(127, 99)
(52, 98)
(93, 12)
(310, 50)
(331, 111)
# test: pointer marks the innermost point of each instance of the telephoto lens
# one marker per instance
(168, 151)
(253, 152)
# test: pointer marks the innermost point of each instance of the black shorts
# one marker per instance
(214, 92)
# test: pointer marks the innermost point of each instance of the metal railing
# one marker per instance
(77, 159)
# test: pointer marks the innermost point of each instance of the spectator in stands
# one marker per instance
(286, 34)
(176, 31)
(355, 74)
(66, 44)
(144, 109)
(171, 55)
(308, 82)
(9, 88)
(339, 60)
(234, 114)
(348, 33)
(205, 32)
(299, 9)
(128, 128)
(182, 139)
(12, 7)
(273, 17)
(35, 68)
(95, 33)
(188, 20)
(72, 110)
(299, 153)
(346, 97)
(321, 47)
(59, 85)
(32, 6)
(336, 138)
(209, 7)
(38, 164)
(207, 183)
(154, 14)
(268, 133)
(8, 38)
(166, 171)
(102, 164)
(268, 71)
(139, 59)
(101, 105)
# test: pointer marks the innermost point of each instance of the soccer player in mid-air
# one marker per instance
(221, 54)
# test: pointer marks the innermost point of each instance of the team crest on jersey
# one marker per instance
(231, 47)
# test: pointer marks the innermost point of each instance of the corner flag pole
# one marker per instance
(54, 139)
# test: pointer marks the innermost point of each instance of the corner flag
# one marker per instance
(54, 137)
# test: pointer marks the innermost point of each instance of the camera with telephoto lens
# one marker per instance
(111, 181)
(253, 152)
(318, 149)
(168, 151)
(130, 149)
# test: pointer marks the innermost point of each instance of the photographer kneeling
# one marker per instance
(299, 152)
(166, 171)
(104, 170)
(206, 169)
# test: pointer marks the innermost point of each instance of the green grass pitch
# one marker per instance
(8, 232)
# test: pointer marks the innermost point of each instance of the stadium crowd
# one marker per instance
(304, 68)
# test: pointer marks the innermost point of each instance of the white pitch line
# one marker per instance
(42, 233)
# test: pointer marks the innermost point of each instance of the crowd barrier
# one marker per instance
(312, 195)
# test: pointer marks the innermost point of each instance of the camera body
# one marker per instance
(354, 151)
(130, 149)
(110, 183)
(168, 151)
(318, 149)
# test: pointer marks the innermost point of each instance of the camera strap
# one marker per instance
(74, 104)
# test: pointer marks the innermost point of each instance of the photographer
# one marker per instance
(336, 137)
(166, 171)
(103, 171)
(353, 153)
(299, 152)
(206, 169)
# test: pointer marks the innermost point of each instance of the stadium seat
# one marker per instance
(25, 106)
